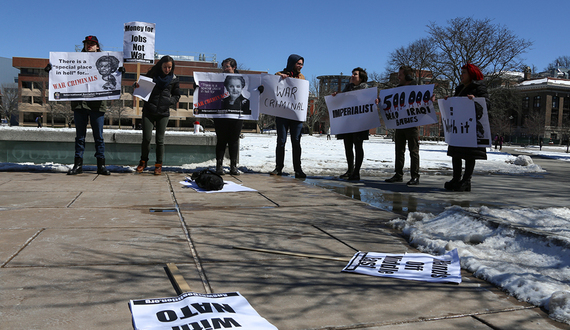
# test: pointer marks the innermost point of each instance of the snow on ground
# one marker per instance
(533, 268)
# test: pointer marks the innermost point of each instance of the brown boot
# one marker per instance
(157, 169)
(141, 167)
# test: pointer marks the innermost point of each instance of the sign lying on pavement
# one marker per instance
(409, 266)
(192, 310)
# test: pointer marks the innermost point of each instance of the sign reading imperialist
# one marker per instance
(90, 76)
(353, 111)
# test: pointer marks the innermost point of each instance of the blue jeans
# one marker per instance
(294, 127)
(81, 118)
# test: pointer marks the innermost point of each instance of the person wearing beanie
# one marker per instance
(471, 86)
(292, 70)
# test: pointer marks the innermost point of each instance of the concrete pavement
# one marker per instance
(75, 249)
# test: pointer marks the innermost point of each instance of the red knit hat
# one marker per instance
(474, 71)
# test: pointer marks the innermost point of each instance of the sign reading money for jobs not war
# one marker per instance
(87, 76)
(138, 42)
(407, 106)
(353, 111)
(227, 95)
(465, 121)
(286, 98)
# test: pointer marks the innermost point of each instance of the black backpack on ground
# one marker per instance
(208, 180)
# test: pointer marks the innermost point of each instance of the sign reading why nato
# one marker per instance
(87, 76)
(465, 122)
(138, 42)
(286, 98)
(192, 310)
(407, 106)
(353, 111)
(227, 95)
(408, 266)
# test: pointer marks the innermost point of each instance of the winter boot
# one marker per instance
(219, 166)
(233, 167)
(77, 166)
(141, 166)
(101, 167)
(157, 169)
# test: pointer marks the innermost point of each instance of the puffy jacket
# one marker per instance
(161, 100)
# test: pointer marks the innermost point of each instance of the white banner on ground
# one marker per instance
(465, 122)
(286, 98)
(353, 111)
(192, 310)
(90, 76)
(138, 42)
(407, 106)
(408, 266)
(226, 95)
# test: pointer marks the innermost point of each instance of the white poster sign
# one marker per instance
(409, 266)
(192, 310)
(146, 85)
(87, 76)
(353, 111)
(138, 42)
(286, 98)
(465, 122)
(407, 106)
(226, 95)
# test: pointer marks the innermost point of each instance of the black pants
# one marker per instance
(227, 132)
(412, 136)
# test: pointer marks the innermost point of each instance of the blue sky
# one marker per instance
(333, 36)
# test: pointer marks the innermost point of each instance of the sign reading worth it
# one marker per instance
(138, 42)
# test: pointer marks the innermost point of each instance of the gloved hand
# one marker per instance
(48, 68)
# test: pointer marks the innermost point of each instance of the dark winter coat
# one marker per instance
(477, 89)
(356, 136)
(162, 99)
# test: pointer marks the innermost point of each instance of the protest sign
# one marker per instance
(409, 266)
(146, 85)
(87, 76)
(286, 98)
(465, 121)
(226, 95)
(353, 111)
(192, 310)
(138, 42)
(407, 106)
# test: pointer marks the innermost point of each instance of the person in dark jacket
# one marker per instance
(471, 86)
(293, 70)
(156, 111)
(354, 140)
(228, 130)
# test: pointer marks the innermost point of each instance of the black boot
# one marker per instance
(77, 166)
(101, 167)
(219, 166)
(233, 167)
(464, 185)
(452, 185)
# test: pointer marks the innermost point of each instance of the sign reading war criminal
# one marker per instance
(407, 106)
(226, 95)
(353, 111)
(192, 310)
(138, 42)
(89, 76)
(465, 122)
(286, 98)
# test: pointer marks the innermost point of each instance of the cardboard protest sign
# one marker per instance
(138, 42)
(87, 76)
(353, 111)
(226, 95)
(192, 310)
(408, 266)
(465, 122)
(407, 106)
(286, 98)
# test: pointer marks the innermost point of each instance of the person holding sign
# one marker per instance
(411, 135)
(354, 140)
(293, 70)
(228, 130)
(156, 112)
(471, 86)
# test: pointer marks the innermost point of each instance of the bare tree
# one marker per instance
(319, 109)
(562, 61)
(419, 55)
(492, 47)
(265, 121)
(59, 109)
(9, 105)
(534, 122)
(506, 103)
(115, 109)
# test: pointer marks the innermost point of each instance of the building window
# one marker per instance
(27, 84)
(128, 89)
(27, 99)
(525, 102)
(536, 102)
(37, 100)
(566, 105)
(555, 102)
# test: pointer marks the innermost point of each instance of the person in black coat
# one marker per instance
(156, 112)
(471, 86)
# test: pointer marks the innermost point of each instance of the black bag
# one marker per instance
(208, 180)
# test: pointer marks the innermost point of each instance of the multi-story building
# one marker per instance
(33, 86)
